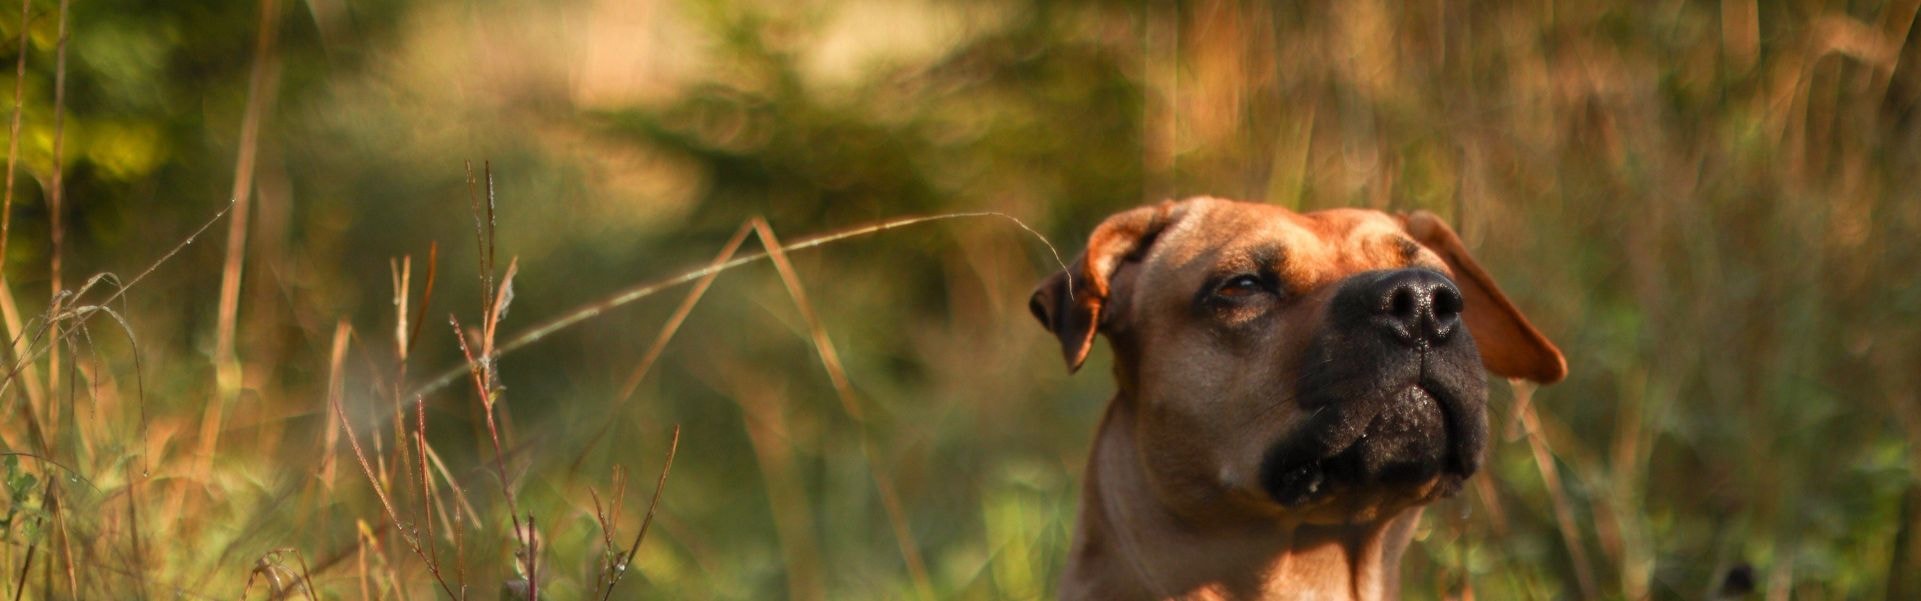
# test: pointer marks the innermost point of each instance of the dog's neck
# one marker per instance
(1130, 544)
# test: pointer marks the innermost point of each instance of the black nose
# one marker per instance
(1418, 307)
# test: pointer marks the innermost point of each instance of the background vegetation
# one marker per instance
(1712, 207)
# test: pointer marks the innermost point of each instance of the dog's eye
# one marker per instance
(1241, 286)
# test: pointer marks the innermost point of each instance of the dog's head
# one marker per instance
(1327, 367)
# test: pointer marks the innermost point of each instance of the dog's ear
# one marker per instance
(1510, 346)
(1069, 302)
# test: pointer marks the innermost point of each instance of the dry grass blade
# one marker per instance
(667, 331)
(65, 537)
(426, 298)
(335, 380)
(56, 228)
(306, 575)
(627, 559)
(634, 293)
(497, 310)
(20, 348)
(680, 316)
(484, 226)
(227, 370)
(829, 357)
(830, 360)
(400, 273)
(462, 503)
(259, 94)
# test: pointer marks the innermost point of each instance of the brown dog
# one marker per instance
(1292, 389)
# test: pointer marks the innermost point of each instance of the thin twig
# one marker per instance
(606, 538)
(306, 577)
(184, 243)
(426, 483)
(340, 412)
(480, 378)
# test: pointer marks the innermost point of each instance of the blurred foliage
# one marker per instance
(1710, 206)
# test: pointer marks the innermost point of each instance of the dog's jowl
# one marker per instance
(1291, 390)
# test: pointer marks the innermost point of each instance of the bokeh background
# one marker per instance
(1711, 206)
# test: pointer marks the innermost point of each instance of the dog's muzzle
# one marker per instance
(1394, 394)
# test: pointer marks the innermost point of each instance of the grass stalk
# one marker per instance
(56, 211)
(260, 93)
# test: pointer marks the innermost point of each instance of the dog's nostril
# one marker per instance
(1447, 302)
(1402, 304)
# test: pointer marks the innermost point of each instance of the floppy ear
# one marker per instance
(1510, 346)
(1069, 302)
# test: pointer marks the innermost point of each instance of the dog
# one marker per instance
(1292, 389)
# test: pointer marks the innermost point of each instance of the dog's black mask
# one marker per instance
(1394, 391)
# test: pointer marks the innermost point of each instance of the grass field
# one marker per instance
(409, 299)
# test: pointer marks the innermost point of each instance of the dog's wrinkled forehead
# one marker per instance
(1307, 249)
